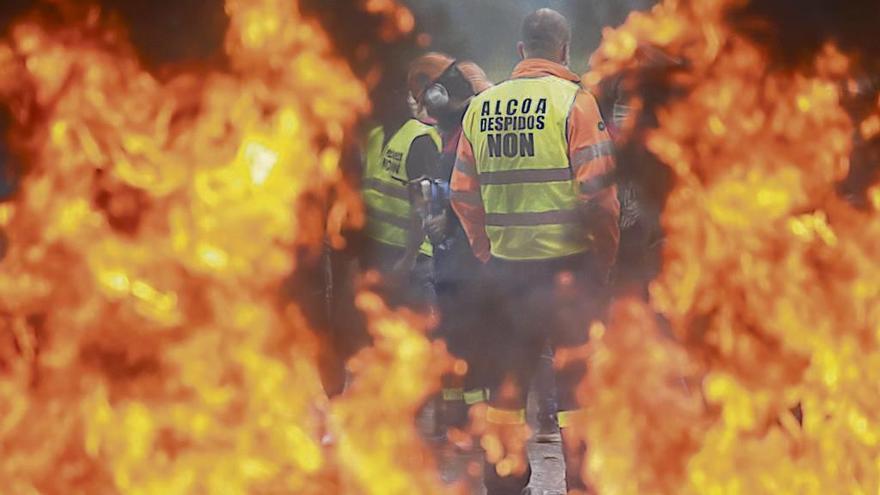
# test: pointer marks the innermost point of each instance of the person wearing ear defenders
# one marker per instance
(441, 89)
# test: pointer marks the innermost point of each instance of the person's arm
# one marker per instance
(592, 159)
(467, 201)
(422, 158)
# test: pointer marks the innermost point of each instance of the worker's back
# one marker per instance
(518, 133)
(384, 184)
(534, 188)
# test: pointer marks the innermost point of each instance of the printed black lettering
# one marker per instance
(542, 106)
(510, 145)
(539, 123)
(526, 106)
(512, 105)
(391, 163)
(498, 107)
(494, 145)
(486, 109)
(526, 144)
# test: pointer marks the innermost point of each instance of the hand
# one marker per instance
(435, 227)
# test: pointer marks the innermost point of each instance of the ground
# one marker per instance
(547, 468)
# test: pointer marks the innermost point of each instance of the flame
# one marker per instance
(770, 283)
(397, 18)
(146, 346)
(375, 441)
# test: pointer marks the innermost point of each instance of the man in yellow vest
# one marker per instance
(398, 151)
(534, 189)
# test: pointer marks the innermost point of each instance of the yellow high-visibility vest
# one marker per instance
(384, 183)
(519, 134)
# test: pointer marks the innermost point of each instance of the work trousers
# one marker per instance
(533, 305)
(461, 321)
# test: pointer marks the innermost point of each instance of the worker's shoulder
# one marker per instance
(416, 126)
(374, 135)
(586, 101)
(489, 93)
(476, 104)
(498, 91)
(562, 83)
(505, 86)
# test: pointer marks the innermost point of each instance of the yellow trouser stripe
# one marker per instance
(505, 416)
(568, 418)
(472, 397)
(451, 394)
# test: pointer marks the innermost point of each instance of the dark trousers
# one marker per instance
(531, 306)
(461, 320)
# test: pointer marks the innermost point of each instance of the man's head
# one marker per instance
(546, 34)
(426, 69)
(443, 86)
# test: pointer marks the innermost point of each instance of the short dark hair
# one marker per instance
(545, 32)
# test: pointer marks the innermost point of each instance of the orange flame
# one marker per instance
(770, 282)
(376, 441)
(146, 346)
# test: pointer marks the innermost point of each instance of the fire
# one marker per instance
(376, 442)
(770, 283)
(147, 348)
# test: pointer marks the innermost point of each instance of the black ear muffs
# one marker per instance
(437, 95)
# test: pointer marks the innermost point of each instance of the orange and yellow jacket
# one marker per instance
(535, 153)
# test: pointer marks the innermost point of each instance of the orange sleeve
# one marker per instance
(467, 201)
(591, 153)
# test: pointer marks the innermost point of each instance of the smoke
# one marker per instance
(486, 31)
(794, 32)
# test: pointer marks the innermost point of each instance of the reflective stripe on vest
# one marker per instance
(384, 183)
(519, 134)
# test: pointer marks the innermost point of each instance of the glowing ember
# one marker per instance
(770, 281)
(146, 347)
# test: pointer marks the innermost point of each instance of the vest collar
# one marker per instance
(538, 67)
